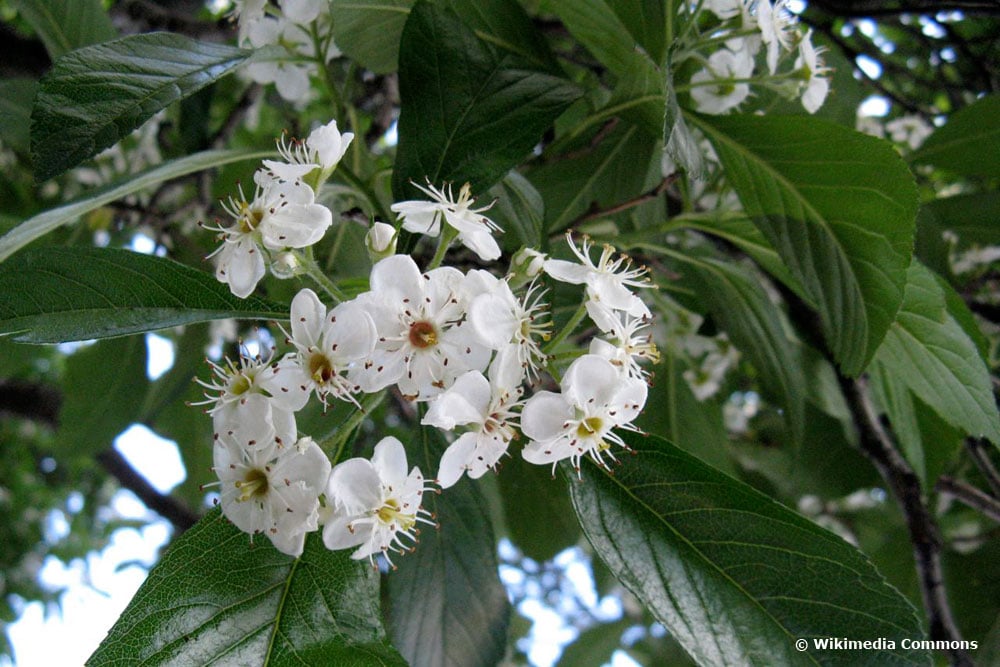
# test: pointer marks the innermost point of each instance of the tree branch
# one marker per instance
(878, 446)
(970, 496)
(41, 403)
(978, 451)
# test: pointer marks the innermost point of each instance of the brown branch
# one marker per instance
(970, 496)
(979, 452)
(877, 444)
(42, 403)
(596, 212)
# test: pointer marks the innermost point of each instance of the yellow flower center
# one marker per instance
(423, 335)
(320, 368)
(390, 513)
(254, 486)
(589, 427)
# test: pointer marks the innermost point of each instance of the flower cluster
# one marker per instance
(745, 28)
(469, 346)
(301, 27)
(283, 215)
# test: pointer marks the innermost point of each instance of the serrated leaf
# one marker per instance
(51, 295)
(838, 206)
(699, 550)
(115, 368)
(369, 31)
(969, 144)
(469, 111)
(447, 605)
(927, 350)
(16, 98)
(43, 223)
(95, 96)
(65, 25)
(215, 598)
(758, 329)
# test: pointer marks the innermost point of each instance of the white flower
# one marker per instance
(475, 231)
(270, 484)
(322, 150)
(234, 384)
(719, 86)
(627, 346)
(375, 504)
(817, 85)
(607, 281)
(328, 344)
(909, 130)
(595, 399)
(499, 319)
(424, 341)
(281, 215)
(303, 11)
(291, 77)
(487, 409)
(775, 23)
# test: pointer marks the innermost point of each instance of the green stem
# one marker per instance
(381, 213)
(448, 235)
(346, 428)
(570, 327)
(314, 272)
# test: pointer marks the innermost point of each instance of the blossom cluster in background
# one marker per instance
(730, 51)
(470, 346)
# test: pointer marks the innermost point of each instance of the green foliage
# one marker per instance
(95, 96)
(216, 596)
(838, 207)
(65, 294)
(65, 25)
(471, 110)
(969, 144)
(454, 568)
(697, 546)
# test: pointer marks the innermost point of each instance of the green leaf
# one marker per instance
(215, 598)
(368, 31)
(595, 25)
(519, 210)
(758, 328)
(97, 95)
(447, 605)
(838, 206)
(507, 27)
(532, 498)
(51, 295)
(699, 550)
(65, 25)
(972, 217)
(969, 144)
(115, 368)
(612, 171)
(16, 98)
(594, 646)
(469, 112)
(927, 350)
(43, 223)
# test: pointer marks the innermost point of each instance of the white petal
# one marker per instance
(398, 272)
(493, 320)
(308, 464)
(241, 264)
(567, 272)
(337, 535)
(308, 315)
(590, 380)
(629, 400)
(455, 460)
(296, 226)
(482, 243)
(288, 543)
(389, 461)
(465, 402)
(544, 416)
(352, 331)
(355, 485)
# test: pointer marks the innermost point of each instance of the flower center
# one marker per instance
(320, 368)
(390, 513)
(249, 218)
(254, 486)
(423, 335)
(589, 427)
(240, 384)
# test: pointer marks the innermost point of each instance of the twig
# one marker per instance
(879, 447)
(978, 451)
(970, 496)
(42, 404)
(596, 212)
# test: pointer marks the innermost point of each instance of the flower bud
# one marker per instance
(525, 266)
(380, 241)
(286, 264)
